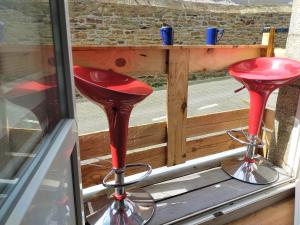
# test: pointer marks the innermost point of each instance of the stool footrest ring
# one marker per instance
(115, 171)
(258, 142)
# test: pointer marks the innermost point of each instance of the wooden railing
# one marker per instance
(179, 138)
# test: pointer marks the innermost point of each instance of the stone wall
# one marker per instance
(121, 22)
(137, 22)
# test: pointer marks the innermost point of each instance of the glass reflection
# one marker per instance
(29, 104)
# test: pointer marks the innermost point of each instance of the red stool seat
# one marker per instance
(260, 76)
(103, 86)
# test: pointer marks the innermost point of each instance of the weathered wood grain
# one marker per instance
(124, 60)
(213, 59)
(93, 174)
(211, 145)
(180, 185)
(201, 199)
(177, 93)
(143, 59)
(271, 42)
(97, 144)
(199, 125)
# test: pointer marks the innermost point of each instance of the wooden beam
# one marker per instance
(177, 93)
(199, 125)
(213, 59)
(97, 144)
(211, 145)
(93, 174)
(142, 59)
(123, 60)
(270, 48)
(267, 131)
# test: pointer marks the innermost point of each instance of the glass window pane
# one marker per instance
(29, 105)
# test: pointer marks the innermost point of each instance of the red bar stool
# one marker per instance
(260, 76)
(117, 94)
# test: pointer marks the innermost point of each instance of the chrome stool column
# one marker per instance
(250, 168)
(117, 94)
(261, 76)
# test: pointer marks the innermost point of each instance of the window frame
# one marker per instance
(14, 208)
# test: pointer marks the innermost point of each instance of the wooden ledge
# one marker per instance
(94, 47)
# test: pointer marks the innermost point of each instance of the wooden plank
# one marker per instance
(97, 144)
(93, 174)
(195, 201)
(271, 42)
(199, 125)
(211, 145)
(280, 213)
(159, 47)
(212, 59)
(269, 119)
(267, 131)
(124, 60)
(177, 93)
(180, 185)
(192, 193)
(172, 187)
(141, 59)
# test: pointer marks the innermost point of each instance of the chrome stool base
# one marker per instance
(257, 172)
(136, 209)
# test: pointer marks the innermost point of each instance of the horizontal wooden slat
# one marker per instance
(123, 60)
(204, 199)
(97, 144)
(178, 186)
(144, 59)
(210, 145)
(94, 174)
(211, 59)
(135, 47)
(200, 125)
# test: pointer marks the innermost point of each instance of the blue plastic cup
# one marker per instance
(213, 35)
(167, 35)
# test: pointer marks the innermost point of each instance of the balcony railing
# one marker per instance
(180, 138)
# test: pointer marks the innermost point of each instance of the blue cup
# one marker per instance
(213, 35)
(167, 34)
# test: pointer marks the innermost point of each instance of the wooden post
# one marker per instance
(266, 136)
(177, 94)
(270, 49)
